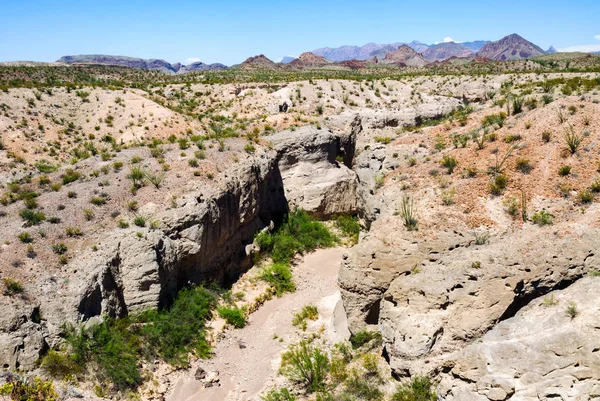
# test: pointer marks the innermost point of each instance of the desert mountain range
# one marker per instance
(413, 54)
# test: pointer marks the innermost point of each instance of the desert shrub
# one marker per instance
(12, 287)
(97, 200)
(279, 277)
(29, 390)
(418, 389)
(308, 312)
(25, 237)
(383, 139)
(282, 394)
(595, 186)
(572, 310)
(136, 175)
(59, 248)
(31, 217)
(585, 196)
(60, 365)
(69, 176)
(542, 218)
(447, 196)
(299, 233)
(449, 163)
(349, 225)
(546, 136)
(362, 388)
(73, 232)
(494, 119)
(498, 184)
(512, 138)
(139, 221)
(517, 105)
(233, 315)
(523, 165)
(307, 364)
(155, 179)
(564, 170)
(363, 337)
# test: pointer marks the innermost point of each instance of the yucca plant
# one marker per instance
(572, 139)
(408, 213)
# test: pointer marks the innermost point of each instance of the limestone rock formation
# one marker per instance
(314, 168)
(541, 353)
(432, 297)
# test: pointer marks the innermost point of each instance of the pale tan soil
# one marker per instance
(245, 372)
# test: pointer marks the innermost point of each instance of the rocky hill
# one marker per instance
(309, 60)
(259, 62)
(443, 51)
(511, 47)
(406, 56)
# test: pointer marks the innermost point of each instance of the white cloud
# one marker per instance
(583, 48)
(192, 60)
(447, 39)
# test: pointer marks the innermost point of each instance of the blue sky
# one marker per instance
(230, 31)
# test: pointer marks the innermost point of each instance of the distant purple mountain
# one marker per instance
(365, 52)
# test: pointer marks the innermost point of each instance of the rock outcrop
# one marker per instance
(541, 353)
(431, 297)
(314, 165)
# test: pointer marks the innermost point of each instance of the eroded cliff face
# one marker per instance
(207, 236)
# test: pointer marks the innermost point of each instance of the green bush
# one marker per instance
(449, 162)
(307, 364)
(279, 277)
(349, 225)
(298, 234)
(115, 346)
(233, 315)
(564, 170)
(60, 365)
(363, 337)
(418, 389)
(542, 218)
(31, 217)
(69, 176)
